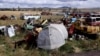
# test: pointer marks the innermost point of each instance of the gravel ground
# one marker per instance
(90, 53)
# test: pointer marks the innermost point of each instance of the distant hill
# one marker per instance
(65, 7)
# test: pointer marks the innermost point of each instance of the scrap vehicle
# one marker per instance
(31, 24)
(26, 16)
(46, 13)
(88, 26)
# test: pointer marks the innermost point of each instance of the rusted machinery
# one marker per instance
(87, 27)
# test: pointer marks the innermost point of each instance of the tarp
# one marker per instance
(11, 31)
(52, 37)
(29, 26)
(73, 20)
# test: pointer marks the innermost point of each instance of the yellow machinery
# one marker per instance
(86, 28)
(83, 28)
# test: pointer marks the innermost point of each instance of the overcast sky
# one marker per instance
(50, 3)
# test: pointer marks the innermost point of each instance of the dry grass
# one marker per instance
(17, 13)
(6, 45)
(20, 22)
(7, 49)
(11, 22)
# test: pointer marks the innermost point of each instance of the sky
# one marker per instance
(49, 3)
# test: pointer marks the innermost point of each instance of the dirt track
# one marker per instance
(90, 53)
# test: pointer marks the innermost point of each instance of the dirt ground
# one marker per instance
(89, 53)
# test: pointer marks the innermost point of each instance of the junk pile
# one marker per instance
(49, 35)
